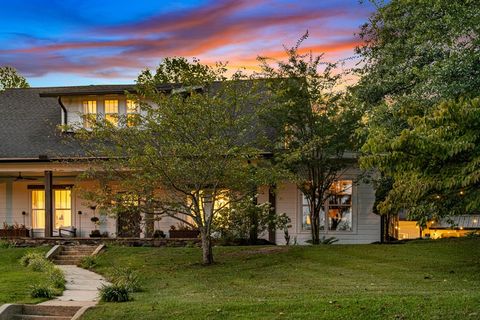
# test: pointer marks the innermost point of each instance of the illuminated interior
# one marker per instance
(62, 208)
(111, 111)
(89, 113)
(132, 111)
(338, 208)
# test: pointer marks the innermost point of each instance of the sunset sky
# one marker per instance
(81, 42)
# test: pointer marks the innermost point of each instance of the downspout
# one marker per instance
(64, 111)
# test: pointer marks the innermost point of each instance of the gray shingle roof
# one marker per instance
(28, 125)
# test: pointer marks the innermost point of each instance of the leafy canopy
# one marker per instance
(419, 80)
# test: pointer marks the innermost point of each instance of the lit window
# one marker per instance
(306, 225)
(132, 112)
(111, 111)
(337, 210)
(38, 209)
(62, 207)
(340, 206)
(89, 113)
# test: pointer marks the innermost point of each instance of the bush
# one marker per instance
(57, 278)
(25, 259)
(42, 291)
(40, 264)
(89, 262)
(126, 277)
(114, 293)
(5, 244)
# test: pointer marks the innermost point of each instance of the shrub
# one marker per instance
(57, 278)
(40, 264)
(41, 291)
(126, 277)
(25, 259)
(5, 244)
(114, 293)
(89, 262)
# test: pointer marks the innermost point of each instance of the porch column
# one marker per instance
(272, 198)
(48, 204)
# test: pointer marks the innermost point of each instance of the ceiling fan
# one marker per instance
(21, 178)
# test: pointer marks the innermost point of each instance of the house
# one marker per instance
(39, 189)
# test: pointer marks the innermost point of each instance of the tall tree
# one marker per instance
(314, 125)
(9, 78)
(187, 154)
(416, 56)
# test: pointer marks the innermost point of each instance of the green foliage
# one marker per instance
(197, 148)
(40, 264)
(126, 277)
(56, 278)
(42, 291)
(25, 259)
(419, 87)
(314, 123)
(237, 223)
(114, 293)
(9, 78)
(5, 244)
(53, 285)
(88, 262)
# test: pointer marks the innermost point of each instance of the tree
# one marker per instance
(9, 78)
(187, 154)
(419, 80)
(314, 125)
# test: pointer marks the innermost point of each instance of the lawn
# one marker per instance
(15, 280)
(417, 280)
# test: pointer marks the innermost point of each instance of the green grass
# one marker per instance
(417, 280)
(16, 280)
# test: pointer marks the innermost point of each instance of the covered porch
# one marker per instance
(45, 200)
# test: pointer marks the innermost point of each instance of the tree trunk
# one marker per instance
(315, 227)
(207, 251)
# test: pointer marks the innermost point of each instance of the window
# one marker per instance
(306, 215)
(89, 113)
(338, 208)
(62, 208)
(132, 112)
(38, 209)
(111, 111)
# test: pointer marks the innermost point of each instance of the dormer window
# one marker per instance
(111, 111)
(89, 113)
(132, 112)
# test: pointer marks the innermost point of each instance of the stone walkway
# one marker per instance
(81, 288)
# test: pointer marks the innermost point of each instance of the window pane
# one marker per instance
(63, 208)
(38, 209)
(340, 218)
(306, 223)
(111, 106)
(90, 107)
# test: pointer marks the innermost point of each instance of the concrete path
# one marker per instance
(81, 287)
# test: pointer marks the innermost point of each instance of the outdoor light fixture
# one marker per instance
(80, 223)
(24, 214)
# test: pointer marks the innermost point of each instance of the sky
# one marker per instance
(83, 42)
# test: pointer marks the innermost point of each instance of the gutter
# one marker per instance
(64, 111)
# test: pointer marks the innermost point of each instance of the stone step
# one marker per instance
(38, 317)
(70, 256)
(64, 311)
(67, 262)
(82, 251)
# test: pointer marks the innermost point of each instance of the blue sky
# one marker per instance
(90, 42)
